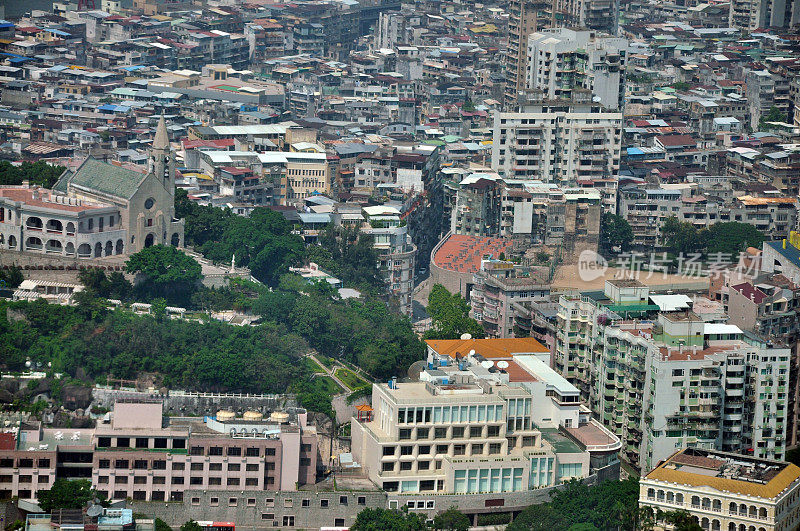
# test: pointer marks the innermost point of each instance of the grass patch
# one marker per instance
(313, 366)
(326, 384)
(328, 362)
(349, 378)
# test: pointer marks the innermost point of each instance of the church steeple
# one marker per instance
(161, 157)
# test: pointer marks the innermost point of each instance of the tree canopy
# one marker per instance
(729, 238)
(450, 316)
(615, 231)
(39, 173)
(611, 505)
(774, 115)
(379, 519)
(66, 494)
(452, 520)
(164, 265)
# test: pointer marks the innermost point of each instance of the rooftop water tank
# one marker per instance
(224, 415)
(279, 417)
(252, 415)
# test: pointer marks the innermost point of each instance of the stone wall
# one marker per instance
(265, 509)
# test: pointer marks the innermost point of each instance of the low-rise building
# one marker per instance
(486, 416)
(724, 491)
(137, 455)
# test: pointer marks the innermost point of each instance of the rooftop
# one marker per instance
(727, 472)
(463, 253)
(488, 348)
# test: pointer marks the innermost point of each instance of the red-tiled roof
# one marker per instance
(44, 200)
(464, 253)
(751, 292)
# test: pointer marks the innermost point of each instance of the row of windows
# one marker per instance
(447, 414)
(160, 464)
(180, 480)
(8, 462)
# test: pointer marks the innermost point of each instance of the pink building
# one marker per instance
(138, 455)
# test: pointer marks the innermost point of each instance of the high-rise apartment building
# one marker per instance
(556, 144)
(600, 15)
(560, 61)
(525, 17)
(753, 14)
(661, 377)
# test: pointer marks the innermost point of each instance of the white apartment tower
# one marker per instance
(557, 146)
(562, 60)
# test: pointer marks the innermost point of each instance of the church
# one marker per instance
(99, 210)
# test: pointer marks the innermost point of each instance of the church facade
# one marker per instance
(99, 210)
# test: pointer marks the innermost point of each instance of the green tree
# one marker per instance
(731, 238)
(452, 520)
(66, 494)
(11, 278)
(615, 231)
(161, 525)
(168, 272)
(774, 115)
(39, 173)
(383, 519)
(681, 237)
(681, 521)
(450, 316)
(191, 525)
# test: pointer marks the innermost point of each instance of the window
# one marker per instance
(405, 434)
(268, 516)
(196, 450)
(422, 433)
(288, 521)
(177, 480)
(159, 480)
(305, 502)
(195, 501)
(214, 501)
(269, 451)
(234, 467)
(342, 500)
(495, 448)
(362, 500)
(406, 450)
(197, 466)
(493, 431)
(196, 480)
(234, 450)
(324, 503)
(458, 432)
(288, 502)
(215, 450)
(214, 467)
(423, 465)
(118, 479)
(103, 463)
(405, 465)
(214, 481)
(139, 480)
(388, 450)
(121, 463)
(251, 502)
(477, 449)
(159, 465)
(251, 482)
(251, 467)
(233, 481)
(269, 502)
(233, 502)
(441, 448)
(252, 452)
(440, 433)
(424, 449)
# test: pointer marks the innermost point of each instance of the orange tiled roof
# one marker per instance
(488, 348)
(464, 253)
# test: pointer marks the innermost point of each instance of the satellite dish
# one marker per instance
(472, 352)
(415, 369)
(487, 364)
(466, 336)
(502, 364)
(94, 511)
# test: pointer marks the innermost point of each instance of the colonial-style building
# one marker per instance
(98, 210)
